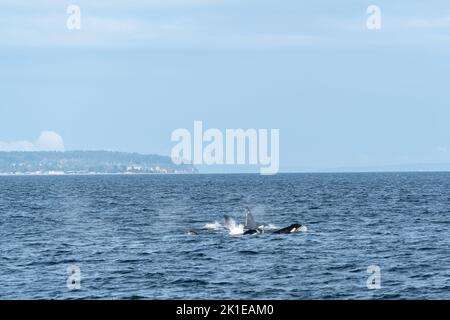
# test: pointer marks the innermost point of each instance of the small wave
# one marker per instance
(135, 297)
(185, 281)
(248, 252)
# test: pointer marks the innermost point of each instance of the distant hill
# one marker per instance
(87, 162)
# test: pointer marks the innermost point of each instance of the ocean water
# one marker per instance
(129, 235)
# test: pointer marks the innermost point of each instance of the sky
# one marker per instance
(340, 94)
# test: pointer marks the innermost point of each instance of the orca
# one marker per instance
(291, 229)
(251, 227)
(253, 231)
(250, 222)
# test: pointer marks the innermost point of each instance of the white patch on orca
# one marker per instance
(293, 230)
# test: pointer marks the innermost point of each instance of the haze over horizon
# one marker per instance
(342, 96)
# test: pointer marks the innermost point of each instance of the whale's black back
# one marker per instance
(292, 228)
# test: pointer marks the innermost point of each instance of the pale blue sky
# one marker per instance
(341, 95)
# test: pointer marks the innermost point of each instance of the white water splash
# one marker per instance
(214, 226)
(235, 228)
(269, 226)
(303, 229)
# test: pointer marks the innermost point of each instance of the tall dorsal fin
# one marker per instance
(250, 222)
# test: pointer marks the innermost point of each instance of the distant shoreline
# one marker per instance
(210, 173)
(47, 163)
(91, 174)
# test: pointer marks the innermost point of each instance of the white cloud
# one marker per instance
(442, 149)
(17, 146)
(442, 22)
(47, 141)
(209, 24)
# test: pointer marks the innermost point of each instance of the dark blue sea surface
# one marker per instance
(129, 236)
